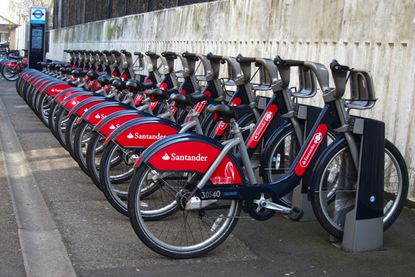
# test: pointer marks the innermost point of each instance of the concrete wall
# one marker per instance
(371, 34)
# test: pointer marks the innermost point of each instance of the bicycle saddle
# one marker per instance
(118, 84)
(144, 86)
(104, 80)
(76, 73)
(227, 112)
(92, 75)
(156, 94)
(132, 86)
(187, 100)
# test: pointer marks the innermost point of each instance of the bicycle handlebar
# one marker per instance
(318, 69)
(211, 56)
(241, 59)
(152, 54)
(191, 56)
(279, 61)
(336, 66)
(169, 54)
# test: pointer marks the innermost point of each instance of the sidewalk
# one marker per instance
(11, 260)
(101, 242)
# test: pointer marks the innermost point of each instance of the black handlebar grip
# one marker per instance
(169, 54)
(211, 56)
(137, 53)
(335, 66)
(125, 52)
(152, 54)
(191, 56)
(241, 59)
(279, 61)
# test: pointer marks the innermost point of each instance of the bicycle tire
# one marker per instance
(92, 159)
(319, 201)
(79, 144)
(147, 224)
(9, 76)
(115, 187)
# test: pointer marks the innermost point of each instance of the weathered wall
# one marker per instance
(71, 12)
(370, 34)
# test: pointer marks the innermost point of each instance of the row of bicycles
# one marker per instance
(187, 144)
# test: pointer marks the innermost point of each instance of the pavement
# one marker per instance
(85, 236)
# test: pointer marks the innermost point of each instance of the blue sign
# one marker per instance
(37, 15)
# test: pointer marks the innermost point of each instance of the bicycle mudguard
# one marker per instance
(142, 132)
(193, 152)
(107, 125)
(41, 89)
(100, 111)
(73, 100)
(85, 104)
(65, 94)
(55, 89)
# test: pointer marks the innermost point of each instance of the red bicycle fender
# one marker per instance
(112, 125)
(54, 90)
(196, 156)
(75, 101)
(97, 116)
(144, 134)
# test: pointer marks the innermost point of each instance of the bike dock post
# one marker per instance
(363, 229)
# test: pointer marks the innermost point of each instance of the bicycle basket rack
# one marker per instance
(307, 83)
(361, 90)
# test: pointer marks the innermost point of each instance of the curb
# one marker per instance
(43, 250)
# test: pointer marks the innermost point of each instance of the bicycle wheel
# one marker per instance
(10, 74)
(70, 129)
(43, 108)
(334, 187)
(80, 143)
(170, 227)
(60, 123)
(115, 172)
(93, 157)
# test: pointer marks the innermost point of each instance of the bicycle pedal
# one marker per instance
(296, 214)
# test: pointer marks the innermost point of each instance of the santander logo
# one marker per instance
(85, 110)
(98, 116)
(262, 126)
(229, 175)
(112, 127)
(311, 149)
(305, 160)
(192, 158)
(223, 125)
(318, 136)
(268, 116)
(136, 135)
